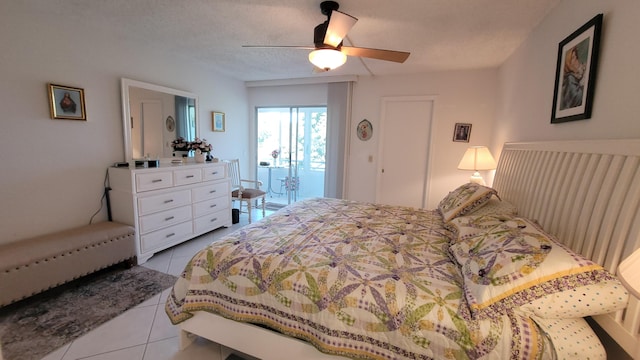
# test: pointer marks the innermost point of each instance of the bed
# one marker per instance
(503, 272)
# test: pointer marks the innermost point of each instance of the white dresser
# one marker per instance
(170, 204)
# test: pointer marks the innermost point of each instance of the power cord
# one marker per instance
(105, 195)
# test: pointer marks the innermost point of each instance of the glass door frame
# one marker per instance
(295, 147)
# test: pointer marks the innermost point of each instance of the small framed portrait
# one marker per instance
(576, 73)
(462, 132)
(66, 102)
(217, 121)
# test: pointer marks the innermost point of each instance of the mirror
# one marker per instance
(154, 116)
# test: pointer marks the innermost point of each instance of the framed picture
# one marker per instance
(462, 132)
(217, 121)
(66, 102)
(576, 73)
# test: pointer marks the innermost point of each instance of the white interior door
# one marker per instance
(403, 151)
(153, 125)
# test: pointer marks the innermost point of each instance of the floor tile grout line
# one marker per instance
(109, 352)
(146, 343)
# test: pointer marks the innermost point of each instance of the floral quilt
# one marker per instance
(354, 279)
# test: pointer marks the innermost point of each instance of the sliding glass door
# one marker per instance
(291, 145)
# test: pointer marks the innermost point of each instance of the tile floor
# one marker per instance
(144, 332)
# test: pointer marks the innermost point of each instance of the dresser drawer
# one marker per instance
(210, 191)
(170, 235)
(163, 219)
(154, 181)
(212, 221)
(156, 203)
(187, 176)
(214, 173)
(208, 206)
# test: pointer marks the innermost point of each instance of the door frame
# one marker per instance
(384, 101)
(293, 129)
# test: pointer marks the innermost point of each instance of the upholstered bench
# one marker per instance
(33, 265)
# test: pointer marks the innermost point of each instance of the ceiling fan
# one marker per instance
(329, 51)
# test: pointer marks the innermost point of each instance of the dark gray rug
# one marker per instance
(36, 326)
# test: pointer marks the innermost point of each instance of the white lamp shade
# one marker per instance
(477, 158)
(629, 273)
(327, 59)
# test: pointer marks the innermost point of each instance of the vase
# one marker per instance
(199, 156)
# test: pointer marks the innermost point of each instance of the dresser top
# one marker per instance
(169, 166)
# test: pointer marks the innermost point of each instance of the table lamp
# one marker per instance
(629, 273)
(477, 158)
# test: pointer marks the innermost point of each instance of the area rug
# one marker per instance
(36, 326)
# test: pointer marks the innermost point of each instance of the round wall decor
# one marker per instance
(170, 123)
(364, 130)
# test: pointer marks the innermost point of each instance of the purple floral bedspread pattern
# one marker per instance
(353, 279)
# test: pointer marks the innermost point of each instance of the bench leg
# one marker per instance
(131, 262)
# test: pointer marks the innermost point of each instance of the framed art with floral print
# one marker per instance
(66, 102)
(576, 73)
(217, 121)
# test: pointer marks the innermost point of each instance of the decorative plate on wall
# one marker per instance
(364, 130)
(171, 123)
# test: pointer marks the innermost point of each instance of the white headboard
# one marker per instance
(587, 194)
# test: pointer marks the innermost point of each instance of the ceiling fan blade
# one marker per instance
(388, 55)
(279, 47)
(339, 25)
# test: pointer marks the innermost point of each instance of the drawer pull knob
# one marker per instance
(214, 173)
(156, 180)
(168, 201)
(212, 191)
(169, 218)
(170, 235)
(190, 176)
(214, 219)
(214, 205)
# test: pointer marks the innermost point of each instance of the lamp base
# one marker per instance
(476, 178)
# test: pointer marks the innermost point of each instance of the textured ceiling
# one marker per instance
(440, 34)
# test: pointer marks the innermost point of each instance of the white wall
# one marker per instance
(53, 170)
(461, 97)
(527, 78)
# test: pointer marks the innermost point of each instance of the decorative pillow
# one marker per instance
(464, 199)
(495, 206)
(572, 338)
(512, 264)
(464, 227)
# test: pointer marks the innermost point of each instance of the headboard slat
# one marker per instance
(586, 194)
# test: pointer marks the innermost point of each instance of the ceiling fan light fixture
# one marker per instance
(327, 59)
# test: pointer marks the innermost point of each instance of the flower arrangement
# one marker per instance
(180, 144)
(202, 145)
(275, 153)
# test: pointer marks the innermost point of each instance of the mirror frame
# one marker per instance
(126, 109)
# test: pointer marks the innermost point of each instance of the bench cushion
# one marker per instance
(33, 265)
